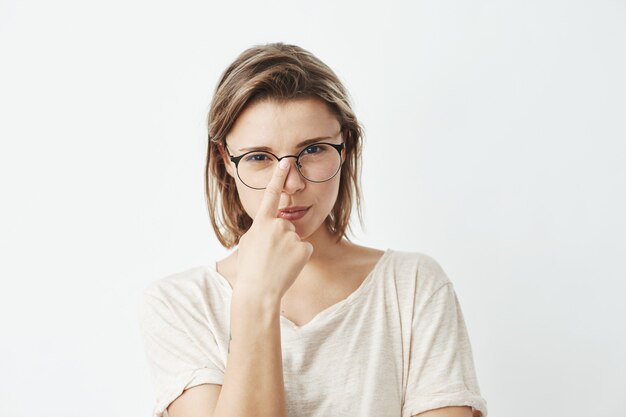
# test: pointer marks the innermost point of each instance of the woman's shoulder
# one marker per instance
(418, 267)
(183, 285)
(402, 265)
(423, 259)
(396, 257)
(358, 255)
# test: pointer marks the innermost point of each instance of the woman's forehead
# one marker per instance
(270, 114)
(288, 124)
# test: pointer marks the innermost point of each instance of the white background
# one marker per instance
(494, 143)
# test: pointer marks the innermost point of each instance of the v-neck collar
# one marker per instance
(325, 314)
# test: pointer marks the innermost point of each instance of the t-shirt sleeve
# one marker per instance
(176, 360)
(441, 367)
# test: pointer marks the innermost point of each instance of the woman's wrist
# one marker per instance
(246, 295)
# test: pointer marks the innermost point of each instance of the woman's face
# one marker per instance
(281, 127)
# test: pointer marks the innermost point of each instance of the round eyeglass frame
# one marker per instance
(339, 147)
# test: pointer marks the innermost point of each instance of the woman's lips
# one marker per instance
(293, 213)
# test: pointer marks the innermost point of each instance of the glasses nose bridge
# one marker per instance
(287, 156)
(291, 156)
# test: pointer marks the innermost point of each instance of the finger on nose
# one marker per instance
(271, 194)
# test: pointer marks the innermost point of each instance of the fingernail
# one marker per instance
(283, 164)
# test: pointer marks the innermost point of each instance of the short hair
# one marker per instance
(280, 72)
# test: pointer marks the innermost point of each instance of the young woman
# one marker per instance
(298, 320)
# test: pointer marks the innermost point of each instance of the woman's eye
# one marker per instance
(256, 158)
(312, 149)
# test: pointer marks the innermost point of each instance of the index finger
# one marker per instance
(271, 196)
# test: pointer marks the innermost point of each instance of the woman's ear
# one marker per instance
(225, 159)
(344, 151)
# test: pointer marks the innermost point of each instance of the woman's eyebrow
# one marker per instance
(299, 145)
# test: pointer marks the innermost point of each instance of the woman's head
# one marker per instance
(277, 96)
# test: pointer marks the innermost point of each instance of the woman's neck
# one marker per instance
(326, 248)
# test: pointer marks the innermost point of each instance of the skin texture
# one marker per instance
(280, 126)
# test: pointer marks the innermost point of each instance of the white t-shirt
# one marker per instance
(397, 346)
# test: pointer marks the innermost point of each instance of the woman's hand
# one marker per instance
(271, 255)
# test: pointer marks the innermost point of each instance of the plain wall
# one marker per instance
(494, 143)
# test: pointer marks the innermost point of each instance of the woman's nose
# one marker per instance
(294, 181)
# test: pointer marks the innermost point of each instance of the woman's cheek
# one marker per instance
(249, 202)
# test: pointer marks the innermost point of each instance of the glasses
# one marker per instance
(318, 162)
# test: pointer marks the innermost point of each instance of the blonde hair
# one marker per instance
(281, 72)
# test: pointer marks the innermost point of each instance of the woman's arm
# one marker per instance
(269, 258)
(253, 380)
(447, 412)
